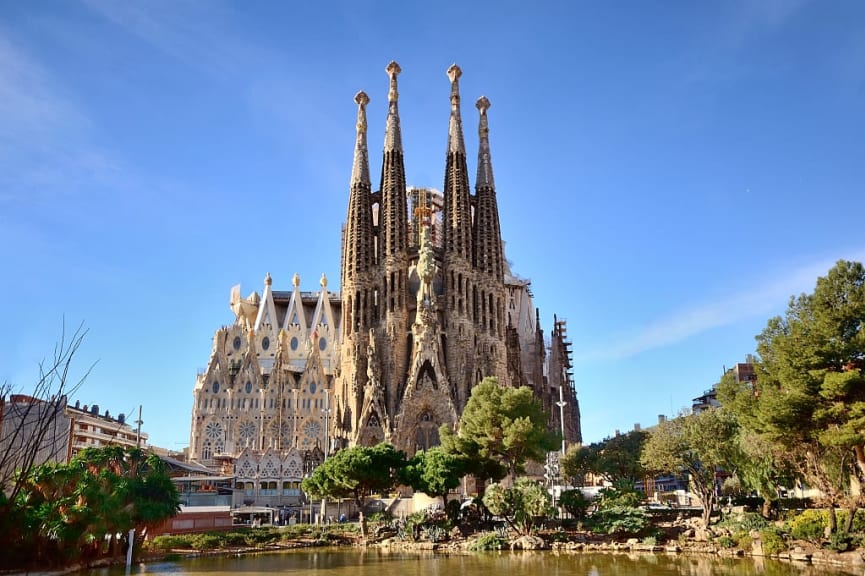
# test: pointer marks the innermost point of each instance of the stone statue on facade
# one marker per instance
(426, 269)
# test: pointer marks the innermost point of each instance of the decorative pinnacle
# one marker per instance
(323, 280)
(485, 165)
(361, 99)
(360, 170)
(295, 281)
(454, 73)
(483, 104)
(393, 71)
(268, 280)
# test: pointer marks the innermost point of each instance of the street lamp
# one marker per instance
(561, 404)
(326, 411)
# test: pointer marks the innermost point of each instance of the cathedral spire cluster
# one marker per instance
(426, 310)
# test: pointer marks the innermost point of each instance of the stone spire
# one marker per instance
(360, 170)
(457, 197)
(358, 236)
(485, 162)
(455, 130)
(487, 231)
(393, 225)
(392, 133)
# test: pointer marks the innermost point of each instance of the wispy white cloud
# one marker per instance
(761, 297)
(45, 146)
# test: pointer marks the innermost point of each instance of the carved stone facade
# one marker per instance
(427, 308)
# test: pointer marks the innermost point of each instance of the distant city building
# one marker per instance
(57, 430)
(742, 372)
(32, 432)
(428, 307)
(90, 429)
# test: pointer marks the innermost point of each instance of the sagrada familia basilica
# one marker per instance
(427, 308)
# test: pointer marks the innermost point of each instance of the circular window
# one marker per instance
(312, 387)
(322, 343)
(215, 387)
(213, 430)
(294, 343)
(247, 430)
(236, 343)
(248, 387)
(265, 343)
(312, 429)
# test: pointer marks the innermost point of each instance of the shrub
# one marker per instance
(773, 542)
(575, 502)
(809, 525)
(743, 540)
(169, 542)
(206, 541)
(619, 520)
(434, 533)
(650, 540)
(839, 542)
(488, 541)
(725, 542)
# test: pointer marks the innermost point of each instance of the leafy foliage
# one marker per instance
(696, 444)
(618, 512)
(773, 541)
(434, 472)
(809, 399)
(69, 511)
(523, 506)
(616, 459)
(575, 502)
(488, 541)
(812, 524)
(500, 429)
(356, 473)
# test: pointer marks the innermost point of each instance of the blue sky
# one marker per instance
(668, 173)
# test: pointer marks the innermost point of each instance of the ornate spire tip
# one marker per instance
(454, 73)
(393, 69)
(361, 99)
(483, 104)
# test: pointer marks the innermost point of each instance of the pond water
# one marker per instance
(377, 562)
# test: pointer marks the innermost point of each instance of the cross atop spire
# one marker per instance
(360, 170)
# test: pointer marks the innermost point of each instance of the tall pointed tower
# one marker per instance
(460, 293)
(391, 335)
(488, 261)
(357, 272)
(428, 307)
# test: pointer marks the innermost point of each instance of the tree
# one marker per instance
(32, 432)
(434, 472)
(356, 473)
(809, 398)
(697, 444)
(762, 465)
(579, 461)
(618, 511)
(523, 506)
(616, 459)
(69, 511)
(501, 425)
(575, 502)
(129, 486)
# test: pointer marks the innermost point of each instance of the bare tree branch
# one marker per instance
(34, 428)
